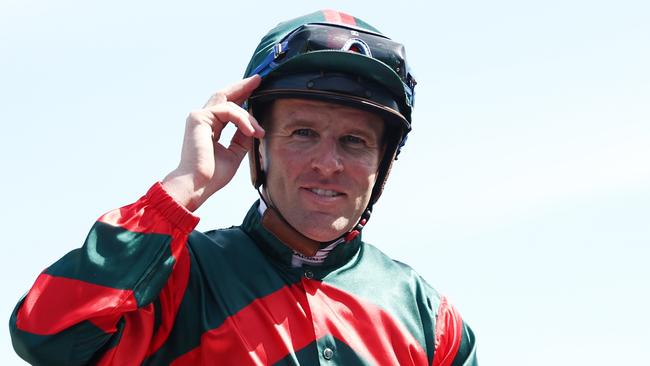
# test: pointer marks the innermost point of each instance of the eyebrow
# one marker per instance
(301, 121)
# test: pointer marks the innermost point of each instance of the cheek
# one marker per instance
(289, 156)
(365, 176)
(285, 164)
(368, 166)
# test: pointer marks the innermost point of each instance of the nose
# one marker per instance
(327, 158)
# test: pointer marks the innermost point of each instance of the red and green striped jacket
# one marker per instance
(145, 289)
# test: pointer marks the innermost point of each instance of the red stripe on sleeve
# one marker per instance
(170, 299)
(56, 303)
(449, 333)
(138, 340)
(334, 16)
(132, 347)
(156, 212)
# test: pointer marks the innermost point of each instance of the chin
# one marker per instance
(325, 232)
(323, 237)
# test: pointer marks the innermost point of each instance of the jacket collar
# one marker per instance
(274, 246)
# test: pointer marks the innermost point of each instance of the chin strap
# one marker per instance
(276, 224)
(357, 229)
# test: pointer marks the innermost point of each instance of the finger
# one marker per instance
(215, 99)
(244, 121)
(237, 92)
(240, 144)
(241, 90)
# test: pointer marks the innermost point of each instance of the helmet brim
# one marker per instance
(349, 63)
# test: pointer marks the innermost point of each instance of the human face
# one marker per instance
(321, 164)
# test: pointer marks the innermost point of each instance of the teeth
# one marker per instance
(324, 192)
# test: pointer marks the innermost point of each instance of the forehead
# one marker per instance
(288, 111)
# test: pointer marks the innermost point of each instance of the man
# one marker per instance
(329, 107)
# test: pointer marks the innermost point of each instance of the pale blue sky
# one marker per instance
(523, 192)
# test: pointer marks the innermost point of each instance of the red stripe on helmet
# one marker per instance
(348, 19)
(334, 16)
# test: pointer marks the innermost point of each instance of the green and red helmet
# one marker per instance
(335, 57)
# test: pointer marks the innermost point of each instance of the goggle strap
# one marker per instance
(268, 63)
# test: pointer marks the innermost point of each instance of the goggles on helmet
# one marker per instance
(304, 49)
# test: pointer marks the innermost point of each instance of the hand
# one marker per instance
(206, 166)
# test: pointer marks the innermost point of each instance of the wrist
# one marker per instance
(177, 214)
(181, 188)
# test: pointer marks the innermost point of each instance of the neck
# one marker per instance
(278, 226)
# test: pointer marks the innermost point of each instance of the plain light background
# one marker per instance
(523, 193)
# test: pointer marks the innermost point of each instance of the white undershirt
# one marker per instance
(298, 259)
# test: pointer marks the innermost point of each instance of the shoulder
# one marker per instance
(227, 260)
(397, 270)
(390, 284)
(453, 338)
(222, 245)
(219, 239)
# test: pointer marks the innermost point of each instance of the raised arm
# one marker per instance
(113, 301)
(99, 298)
(206, 166)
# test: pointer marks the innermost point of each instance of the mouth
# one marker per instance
(325, 192)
